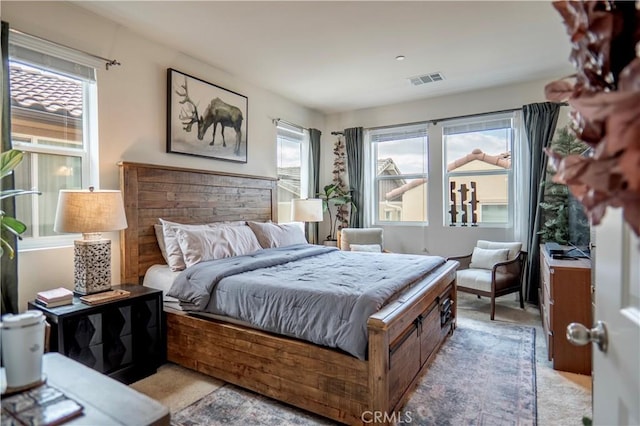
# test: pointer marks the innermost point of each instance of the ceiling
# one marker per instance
(335, 56)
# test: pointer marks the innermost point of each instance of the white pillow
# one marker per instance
(486, 258)
(160, 237)
(271, 234)
(373, 248)
(514, 247)
(170, 246)
(216, 242)
(174, 255)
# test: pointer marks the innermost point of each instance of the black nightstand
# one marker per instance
(123, 338)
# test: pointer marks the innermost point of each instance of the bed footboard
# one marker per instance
(327, 382)
(403, 337)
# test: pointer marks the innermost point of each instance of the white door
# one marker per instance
(616, 372)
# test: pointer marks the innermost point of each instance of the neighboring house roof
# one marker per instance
(289, 179)
(404, 188)
(44, 91)
(387, 166)
(501, 160)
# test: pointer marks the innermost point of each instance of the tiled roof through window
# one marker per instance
(43, 91)
(289, 179)
(501, 160)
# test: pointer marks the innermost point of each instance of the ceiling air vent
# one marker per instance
(427, 78)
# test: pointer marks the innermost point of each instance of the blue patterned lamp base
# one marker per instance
(92, 263)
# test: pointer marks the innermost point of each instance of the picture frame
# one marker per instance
(204, 119)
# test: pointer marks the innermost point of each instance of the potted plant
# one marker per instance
(9, 160)
(334, 195)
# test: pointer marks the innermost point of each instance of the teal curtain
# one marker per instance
(540, 124)
(314, 178)
(9, 267)
(354, 144)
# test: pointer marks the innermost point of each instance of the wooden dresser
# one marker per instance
(565, 297)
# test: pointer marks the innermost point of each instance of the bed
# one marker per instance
(403, 336)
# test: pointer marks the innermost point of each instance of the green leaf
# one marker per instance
(13, 225)
(4, 244)
(9, 160)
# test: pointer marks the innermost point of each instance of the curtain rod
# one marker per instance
(280, 120)
(435, 121)
(108, 62)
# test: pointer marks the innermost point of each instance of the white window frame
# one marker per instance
(300, 135)
(40, 53)
(475, 120)
(372, 145)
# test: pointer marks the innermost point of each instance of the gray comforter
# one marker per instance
(316, 293)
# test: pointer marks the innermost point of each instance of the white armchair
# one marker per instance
(493, 270)
(361, 239)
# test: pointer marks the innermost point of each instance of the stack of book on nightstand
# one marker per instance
(56, 297)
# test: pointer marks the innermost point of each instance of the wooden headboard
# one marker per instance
(185, 196)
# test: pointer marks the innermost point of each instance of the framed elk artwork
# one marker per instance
(204, 119)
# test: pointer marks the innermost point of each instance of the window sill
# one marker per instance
(31, 244)
(483, 226)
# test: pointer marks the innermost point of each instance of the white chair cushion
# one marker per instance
(486, 258)
(514, 247)
(477, 279)
(350, 236)
(372, 248)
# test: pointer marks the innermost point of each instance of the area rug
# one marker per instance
(482, 375)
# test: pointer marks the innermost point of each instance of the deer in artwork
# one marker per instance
(217, 112)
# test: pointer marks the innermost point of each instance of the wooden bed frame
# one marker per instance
(403, 336)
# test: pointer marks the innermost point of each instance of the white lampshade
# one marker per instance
(89, 211)
(306, 210)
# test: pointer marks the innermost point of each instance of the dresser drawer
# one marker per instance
(565, 297)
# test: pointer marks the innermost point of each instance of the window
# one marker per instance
(478, 173)
(292, 167)
(400, 167)
(53, 121)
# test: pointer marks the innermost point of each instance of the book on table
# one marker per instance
(55, 295)
(55, 304)
(104, 297)
(44, 405)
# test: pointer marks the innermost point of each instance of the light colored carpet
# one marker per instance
(177, 387)
(563, 398)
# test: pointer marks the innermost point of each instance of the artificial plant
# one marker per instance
(339, 170)
(9, 160)
(556, 204)
(605, 95)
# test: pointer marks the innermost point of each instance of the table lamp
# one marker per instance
(307, 210)
(90, 212)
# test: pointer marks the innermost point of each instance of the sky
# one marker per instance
(408, 154)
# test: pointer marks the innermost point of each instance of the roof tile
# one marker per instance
(33, 89)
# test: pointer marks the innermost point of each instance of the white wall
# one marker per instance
(132, 105)
(131, 110)
(436, 238)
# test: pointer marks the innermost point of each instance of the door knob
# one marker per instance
(580, 335)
